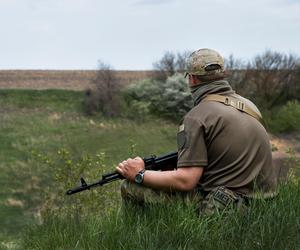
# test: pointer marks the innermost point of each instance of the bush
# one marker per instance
(286, 119)
(170, 99)
(66, 171)
(105, 95)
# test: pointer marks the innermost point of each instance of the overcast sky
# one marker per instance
(132, 34)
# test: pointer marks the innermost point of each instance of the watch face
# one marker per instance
(139, 178)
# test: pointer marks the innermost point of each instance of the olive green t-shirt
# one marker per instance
(231, 146)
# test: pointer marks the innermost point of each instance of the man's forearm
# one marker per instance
(174, 180)
(181, 179)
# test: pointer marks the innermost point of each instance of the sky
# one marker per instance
(133, 34)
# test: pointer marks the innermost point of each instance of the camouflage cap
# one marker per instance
(204, 62)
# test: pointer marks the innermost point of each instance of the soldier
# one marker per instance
(224, 154)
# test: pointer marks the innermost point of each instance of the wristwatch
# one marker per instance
(139, 178)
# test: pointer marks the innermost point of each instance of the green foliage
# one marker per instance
(272, 224)
(66, 171)
(285, 118)
(170, 99)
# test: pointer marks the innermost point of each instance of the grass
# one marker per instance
(44, 122)
(265, 225)
(55, 100)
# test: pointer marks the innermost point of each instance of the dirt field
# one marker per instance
(61, 79)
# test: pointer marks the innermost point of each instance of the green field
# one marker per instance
(46, 121)
(36, 125)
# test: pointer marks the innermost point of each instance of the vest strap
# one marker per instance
(236, 103)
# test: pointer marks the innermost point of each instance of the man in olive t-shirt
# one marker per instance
(223, 149)
(232, 147)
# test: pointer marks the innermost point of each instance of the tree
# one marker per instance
(273, 76)
(105, 95)
(236, 70)
(270, 79)
(171, 63)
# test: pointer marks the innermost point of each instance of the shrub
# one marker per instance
(105, 95)
(66, 172)
(170, 99)
(286, 119)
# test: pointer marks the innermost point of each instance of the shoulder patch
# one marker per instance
(181, 139)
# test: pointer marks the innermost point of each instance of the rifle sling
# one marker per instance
(236, 103)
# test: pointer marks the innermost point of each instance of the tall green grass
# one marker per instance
(46, 121)
(273, 224)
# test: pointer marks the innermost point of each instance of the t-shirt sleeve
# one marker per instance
(191, 144)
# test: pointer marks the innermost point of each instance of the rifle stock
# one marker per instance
(163, 162)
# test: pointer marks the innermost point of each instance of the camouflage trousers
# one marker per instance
(218, 200)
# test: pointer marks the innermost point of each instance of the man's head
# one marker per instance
(205, 65)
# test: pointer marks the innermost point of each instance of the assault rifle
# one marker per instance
(164, 162)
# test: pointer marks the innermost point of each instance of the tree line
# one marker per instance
(270, 80)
